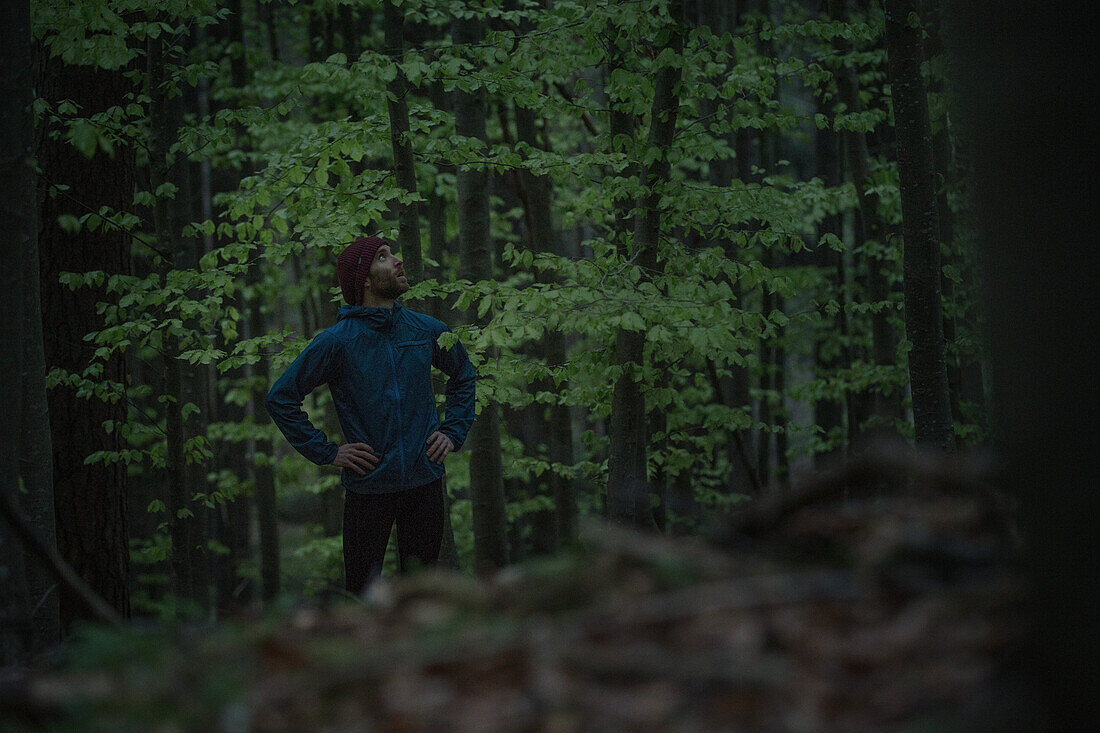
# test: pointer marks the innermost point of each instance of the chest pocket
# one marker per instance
(415, 354)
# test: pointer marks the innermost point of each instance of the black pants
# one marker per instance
(368, 519)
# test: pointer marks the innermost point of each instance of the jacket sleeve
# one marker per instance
(313, 367)
(458, 411)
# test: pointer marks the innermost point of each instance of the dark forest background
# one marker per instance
(698, 251)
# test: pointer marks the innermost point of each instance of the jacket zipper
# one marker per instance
(397, 393)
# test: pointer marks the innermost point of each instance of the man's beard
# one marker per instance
(391, 287)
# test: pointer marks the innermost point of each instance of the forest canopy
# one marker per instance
(694, 250)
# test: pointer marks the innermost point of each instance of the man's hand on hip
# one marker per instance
(359, 457)
(439, 447)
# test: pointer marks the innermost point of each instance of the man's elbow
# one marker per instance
(271, 402)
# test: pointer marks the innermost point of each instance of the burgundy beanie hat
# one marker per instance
(353, 266)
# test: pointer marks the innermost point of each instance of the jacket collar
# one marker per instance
(379, 319)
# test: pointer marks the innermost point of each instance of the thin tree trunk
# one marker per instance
(867, 227)
(188, 208)
(90, 501)
(36, 446)
(270, 19)
(916, 171)
(764, 415)
(222, 567)
(236, 589)
(163, 126)
(544, 238)
(773, 448)
(734, 390)
(486, 474)
(408, 213)
(437, 222)
(261, 447)
(263, 469)
(964, 371)
(829, 412)
(622, 124)
(628, 490)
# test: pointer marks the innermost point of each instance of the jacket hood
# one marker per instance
(380, 319)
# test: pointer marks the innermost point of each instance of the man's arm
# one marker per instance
(313, 367)
(458, 411)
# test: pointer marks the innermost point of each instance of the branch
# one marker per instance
(57, 566)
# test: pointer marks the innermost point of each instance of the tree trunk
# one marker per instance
(188, 207)
(89, 500)
(261, 449)
(20, 254)
(486, 474)
(544, 238)
(916, 171)
(263, 467)
(628, 491)
(867, 227)
(830, 357)
(764, 415)
(964, 369)
(772, 449)
(437, 307)
(408, 212)
(733, 389)
(17, 206)
(163, 129)
(1032, 136)
(35, 452)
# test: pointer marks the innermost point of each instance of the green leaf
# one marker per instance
(69, 223)
(632, 322)
(484, 306)
(84, 137)
(166, 190)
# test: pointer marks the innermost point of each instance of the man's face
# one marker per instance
(387, 274)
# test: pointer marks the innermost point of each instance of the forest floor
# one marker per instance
(884, 597)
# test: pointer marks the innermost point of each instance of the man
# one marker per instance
(377, 362)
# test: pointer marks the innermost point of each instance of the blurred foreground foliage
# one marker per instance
(882, 597)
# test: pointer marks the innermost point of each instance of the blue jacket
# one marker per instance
(377, 363)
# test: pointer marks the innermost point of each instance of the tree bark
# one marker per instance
(964, 368)
(261, 447)
(628, 490)
(829, 412)
(33, 437)
(544, 238)
(36, 446)
(163, 129)
(408, 213)
(916, 170)
(17, 208)
(437, 307)
(867, 227)
(89, 500)
(734, 389)
(235, 516)
(1030, 134)
(263, 452)
(486, 473)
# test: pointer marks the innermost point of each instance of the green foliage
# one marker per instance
(310, 143)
